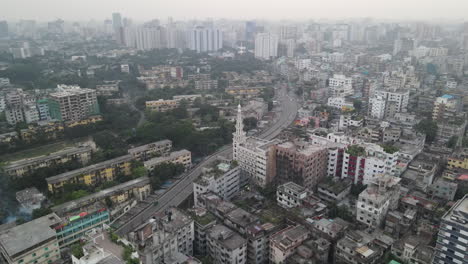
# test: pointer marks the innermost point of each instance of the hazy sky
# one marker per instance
(140, 10)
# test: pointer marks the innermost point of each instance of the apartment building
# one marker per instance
(204, 220)
(22, 167)
(72, 103)
(92, 175)
(255, 156)
(107, 89)
(247, 91)
(285, 242)
(79, 220)
(340, 86)
(266, 46)
(221, 178)
(447, 106)
(290, 195)
(161, 105)
(357, 247)
(340, 103)
(330, 229)
(334, 190)
(388, 102)
(301, 162)
(377, 199)
(118, 199)
(247, 225)
(183, 157)
(452, 240)
(206, 84)
(362, 163)
(167, 234)
(148, 151)
(31, 242)
(458, 160)
(226, 246)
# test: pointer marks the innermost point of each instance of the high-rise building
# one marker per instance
(301, 163)
(148, 38)
(340, 85)
(266, 46)
(206, 39)
(32, 242)
(452, 239)
(288, 32)
(250, 30)
(255, 156)
(165, 235)
(3, 29)
(118, 27)
(377, 199)
(72, 103)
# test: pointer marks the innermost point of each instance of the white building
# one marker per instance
(365, 162)
(290, 195)
(339, 102)
(350, 121)
(254, 155)
(4, 82)
(285, 242)
(340, 86)
(302, 64)
(290, 46)
(377, 107)
(374, 202)
(222, 178)
(206, 39)
(164, 236)
(395, 100)
(14, 115)
(266, 46)
(31, 114)
(226, 246)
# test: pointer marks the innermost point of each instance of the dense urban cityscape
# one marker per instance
(173, 141)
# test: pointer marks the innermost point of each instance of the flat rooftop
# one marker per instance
(296, 188)
(150, 145)
(226, 237)
(459, 212)
(27, 236)
(88, 169)
(38, 159)
(72, 205)
(173, 155)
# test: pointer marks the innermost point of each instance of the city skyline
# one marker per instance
(260, 9)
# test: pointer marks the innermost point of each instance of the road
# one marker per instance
(182, 189)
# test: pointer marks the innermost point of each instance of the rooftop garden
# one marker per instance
(390, 149)
(356, 150)
(204, 219)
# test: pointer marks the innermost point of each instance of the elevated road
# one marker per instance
(182, 189)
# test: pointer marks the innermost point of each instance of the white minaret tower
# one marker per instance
(238, 137)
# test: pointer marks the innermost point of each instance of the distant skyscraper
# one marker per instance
(266, 46)
(118, 27)
(3, 29)
(288, 32)
(206, 39)
(250, 30)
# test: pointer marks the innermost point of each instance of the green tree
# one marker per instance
(428, 127)
(77, 250)
(40, 212)
(250, 123)
(452, 142)
(357, 104)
